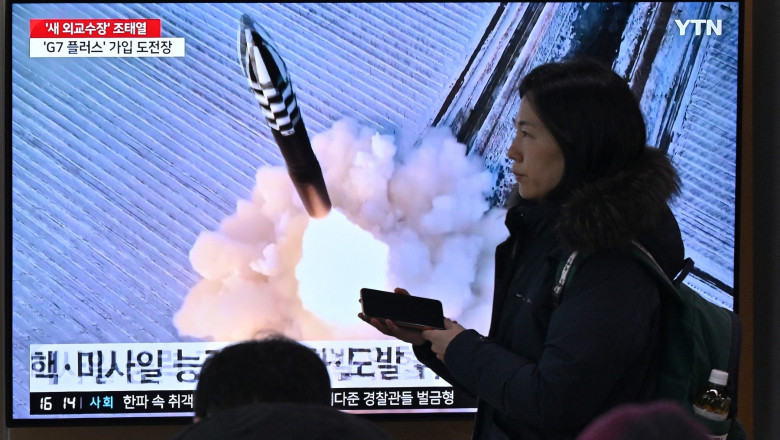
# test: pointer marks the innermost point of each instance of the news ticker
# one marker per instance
(177, 401)
(80, 38)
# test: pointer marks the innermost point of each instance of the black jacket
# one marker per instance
(546, 371)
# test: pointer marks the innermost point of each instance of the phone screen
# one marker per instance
(402, 309)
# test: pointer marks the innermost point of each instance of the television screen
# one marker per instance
(188, 175)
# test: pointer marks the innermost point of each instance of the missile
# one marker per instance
(270, 83)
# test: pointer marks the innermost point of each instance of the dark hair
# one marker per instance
(592, 114)
(275, 369)
(287, 421)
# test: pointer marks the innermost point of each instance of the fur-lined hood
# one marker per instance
(609, 213)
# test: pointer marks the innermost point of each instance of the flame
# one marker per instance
(339, 258)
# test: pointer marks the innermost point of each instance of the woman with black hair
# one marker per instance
(586, 181)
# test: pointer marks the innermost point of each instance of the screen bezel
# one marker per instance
(11, 422)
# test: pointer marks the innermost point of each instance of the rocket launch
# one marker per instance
(271, 85)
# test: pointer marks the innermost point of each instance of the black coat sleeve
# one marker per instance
(425, 355)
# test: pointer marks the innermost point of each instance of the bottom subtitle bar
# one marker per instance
(111, 402)
(173, 401)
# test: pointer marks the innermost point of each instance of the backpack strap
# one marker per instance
(687, 268)
(657, 267)
(649, 261)
(563, 278)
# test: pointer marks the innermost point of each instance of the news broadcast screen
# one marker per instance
(161, 205)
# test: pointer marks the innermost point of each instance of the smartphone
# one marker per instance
(404, 310)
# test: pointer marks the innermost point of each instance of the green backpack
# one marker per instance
(696, 337)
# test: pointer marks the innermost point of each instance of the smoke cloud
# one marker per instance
(424, 217)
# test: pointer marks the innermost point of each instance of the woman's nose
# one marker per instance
(514, 153)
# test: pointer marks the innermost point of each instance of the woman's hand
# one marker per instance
(440, 339)
(389, 328)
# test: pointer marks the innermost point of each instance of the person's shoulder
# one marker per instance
(610, 261)
(612, 269)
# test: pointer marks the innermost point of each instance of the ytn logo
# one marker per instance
(712, 26)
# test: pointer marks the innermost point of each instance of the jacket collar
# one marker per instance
(610, 212)
(528, 216)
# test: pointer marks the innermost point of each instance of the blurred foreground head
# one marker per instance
(275, 369)
(660, 420)
(283, 421)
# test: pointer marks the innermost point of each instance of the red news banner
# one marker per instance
(91, 28)
(139, 37)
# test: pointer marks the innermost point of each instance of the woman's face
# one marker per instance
(538, 160)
